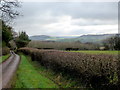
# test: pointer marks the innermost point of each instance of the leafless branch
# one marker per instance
(8, 9)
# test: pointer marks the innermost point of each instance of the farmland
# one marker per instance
(98, 52)
(91, 70)
(62, 45)
(59, 44)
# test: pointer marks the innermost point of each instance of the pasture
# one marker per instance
(97, 52)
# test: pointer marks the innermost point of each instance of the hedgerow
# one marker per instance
(91, 69)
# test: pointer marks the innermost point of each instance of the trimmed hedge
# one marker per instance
(91, 69)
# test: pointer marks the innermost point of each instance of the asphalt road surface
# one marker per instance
(7, 70)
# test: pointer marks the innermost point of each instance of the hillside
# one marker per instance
(89, 38)
(44, 38)
(84, 38)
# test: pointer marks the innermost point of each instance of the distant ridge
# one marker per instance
(84, 38)
(39, 37)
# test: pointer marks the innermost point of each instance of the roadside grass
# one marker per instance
(28, 77)
(29, 71)
(63, 81)
(98, 52)
(3, 58)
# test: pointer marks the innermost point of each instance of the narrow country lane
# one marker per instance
(8, 69)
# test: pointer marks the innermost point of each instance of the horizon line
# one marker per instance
(73, 35)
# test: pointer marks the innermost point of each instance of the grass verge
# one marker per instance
(28, 77)
(3, 58)
(60, 78)
(31, 74)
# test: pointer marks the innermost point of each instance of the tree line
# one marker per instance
(112, 43)
(21, 40)
(8, 35)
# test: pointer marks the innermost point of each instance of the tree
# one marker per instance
(6, 34)
(117, 42)
(8, 12)
(22, 40)
(7, 9)
(112, 43)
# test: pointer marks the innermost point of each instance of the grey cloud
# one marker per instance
(100, 10)
(37, 14)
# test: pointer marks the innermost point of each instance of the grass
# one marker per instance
(98, 52)
(32, 75)
(63, 81)
(67, 81)
(3, 58)
(28, 77)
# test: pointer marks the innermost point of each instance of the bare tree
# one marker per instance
(112, 43)
(8, 9)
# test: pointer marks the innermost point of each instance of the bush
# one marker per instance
(22, 40)
(92, 70)
(5, 50)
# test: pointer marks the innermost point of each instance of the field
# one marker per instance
(91, 70)
(3, 58)
(62, 45)
(98, 52)
(28, 77)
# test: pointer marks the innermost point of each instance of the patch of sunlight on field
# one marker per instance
(28, 77)
(99, 52)
(3, 58)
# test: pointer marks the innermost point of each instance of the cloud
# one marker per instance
(65, 26)
(68, 18)
(70, 0)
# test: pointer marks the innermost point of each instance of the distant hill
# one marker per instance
(44, 38)
(83, 38)
(39, 37)
(89, 38)
(94, 38)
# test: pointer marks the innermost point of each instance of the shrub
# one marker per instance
(92, 70)
(5, 50)
(22, 40)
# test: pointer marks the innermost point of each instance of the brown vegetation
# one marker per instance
(92, 70)
(4, 51)
(62, 45)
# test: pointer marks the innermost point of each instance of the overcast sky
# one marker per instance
(67, 18)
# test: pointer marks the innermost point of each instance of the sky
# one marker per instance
(67, 18)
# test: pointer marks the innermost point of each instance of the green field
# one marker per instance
(28, 77)
(3, 58)
(98, 52)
